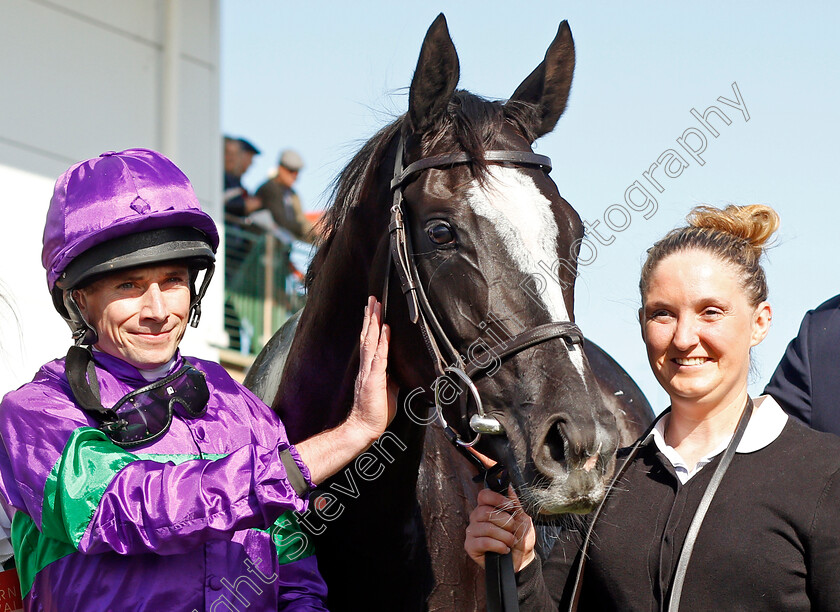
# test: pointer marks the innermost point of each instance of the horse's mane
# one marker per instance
(470, 123)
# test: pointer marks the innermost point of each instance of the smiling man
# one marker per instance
(140, 314)
(140, 479)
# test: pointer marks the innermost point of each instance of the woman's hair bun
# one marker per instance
(755, 223)
(736, 234)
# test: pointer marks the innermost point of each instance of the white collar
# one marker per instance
(765, 425)
(767, 422)
(159, 372)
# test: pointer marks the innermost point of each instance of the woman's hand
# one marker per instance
(375, 398)
(500, 525)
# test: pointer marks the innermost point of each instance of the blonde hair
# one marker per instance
(738, 235)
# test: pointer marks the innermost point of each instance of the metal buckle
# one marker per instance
(480, 422)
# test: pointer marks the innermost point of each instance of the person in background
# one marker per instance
(238, 157)
(239, 232)
(278, 196)
(141, 479)
(770, 539)
(805, 382)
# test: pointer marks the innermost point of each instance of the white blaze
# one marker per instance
(525, 224)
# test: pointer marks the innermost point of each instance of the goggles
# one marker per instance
(146, 413)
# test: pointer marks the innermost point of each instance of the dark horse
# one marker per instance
(480, 215)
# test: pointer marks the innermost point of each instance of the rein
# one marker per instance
(447, 360)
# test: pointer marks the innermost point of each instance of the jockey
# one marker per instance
(139, 478)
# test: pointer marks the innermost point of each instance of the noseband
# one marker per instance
(445, 357)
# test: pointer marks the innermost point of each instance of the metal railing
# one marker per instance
(262, 287)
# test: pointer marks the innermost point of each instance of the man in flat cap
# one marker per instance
(279, 197)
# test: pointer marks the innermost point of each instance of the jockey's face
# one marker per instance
(140, 315)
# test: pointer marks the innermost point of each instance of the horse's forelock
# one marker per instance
(524, 116)
(471, 124)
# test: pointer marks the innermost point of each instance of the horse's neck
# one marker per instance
(316, 390)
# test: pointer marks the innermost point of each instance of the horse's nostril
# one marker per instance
(554, 445)
(568, 448)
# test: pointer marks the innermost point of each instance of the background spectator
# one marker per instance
(278, 196)
(239, 154)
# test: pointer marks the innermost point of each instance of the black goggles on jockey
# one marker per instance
(145, 414)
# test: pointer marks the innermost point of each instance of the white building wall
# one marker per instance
(79, 77)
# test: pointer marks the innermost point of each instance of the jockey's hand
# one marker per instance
(374, 405)
(500, 525)
(375, 398)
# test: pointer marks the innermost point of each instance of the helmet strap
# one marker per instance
(83, 332)
(195, 307)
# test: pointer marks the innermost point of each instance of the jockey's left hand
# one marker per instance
(375, 398)
(374, 405)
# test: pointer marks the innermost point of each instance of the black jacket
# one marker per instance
(770, 541)
(806, 382)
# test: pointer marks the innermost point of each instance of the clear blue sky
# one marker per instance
(323, 77)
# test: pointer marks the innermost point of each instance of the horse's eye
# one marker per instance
(441, 233)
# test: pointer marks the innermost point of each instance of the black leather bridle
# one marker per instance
(447, 360)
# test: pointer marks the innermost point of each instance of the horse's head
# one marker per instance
(495, 249)
(492, 247)
(450, 208)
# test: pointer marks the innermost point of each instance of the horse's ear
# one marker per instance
(434, 78)
(548, 85)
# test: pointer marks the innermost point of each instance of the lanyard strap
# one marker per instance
(705, 502)
(699, 514)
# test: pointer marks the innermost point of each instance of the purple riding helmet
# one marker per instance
(123, 210)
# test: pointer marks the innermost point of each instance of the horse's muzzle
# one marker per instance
(568, 447)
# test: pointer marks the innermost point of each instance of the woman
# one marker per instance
(770, 539)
